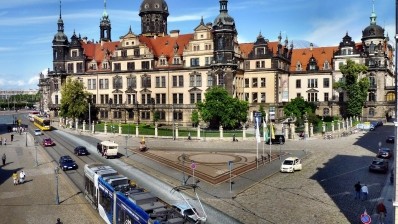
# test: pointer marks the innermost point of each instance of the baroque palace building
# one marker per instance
(167, 72)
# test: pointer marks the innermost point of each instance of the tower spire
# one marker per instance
(373, 15)
(60, 9)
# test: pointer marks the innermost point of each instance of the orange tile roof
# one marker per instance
(97, 51)
(165, 45)
(303, 55)
(247, 48)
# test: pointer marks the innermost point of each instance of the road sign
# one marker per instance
(193, 165)
(365, 218)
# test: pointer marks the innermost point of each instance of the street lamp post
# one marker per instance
(56, 172)
(26, 139)
(280, 147)
(127, 137)
(37, 163)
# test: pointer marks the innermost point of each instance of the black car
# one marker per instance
(379, 165)
(67, 163)
(279, 139)
(390, 139)
(80, 150)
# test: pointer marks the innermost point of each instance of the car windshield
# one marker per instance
(288, 162)
(68, 160)
(376, 162)
(188, 212)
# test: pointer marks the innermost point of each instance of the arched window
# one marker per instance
(371, 112)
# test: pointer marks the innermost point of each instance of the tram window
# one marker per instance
(106, 202)
(123, 217)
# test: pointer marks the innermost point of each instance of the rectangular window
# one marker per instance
(247, 83)
(254, 98)
(298, 95)
(145, 65)
(106, 84)
(146, 81)
(262, 97)
(56, 99)
(326, 83)
(194, 62)
(209, 80)
(70, 68)
(79, 67)
(160, 82)
(116, 67)
(312, 83)
(326, 97)
(263, 83)
(136, 52)
(130, 66)
(298, 83)
(312, 97)
(177, 115)
(254, 82)
(178, 81)
(195, 80)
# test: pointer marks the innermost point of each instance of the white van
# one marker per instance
(108, 149)
(291, 164)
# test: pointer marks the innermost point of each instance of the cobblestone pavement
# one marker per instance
(322, 192)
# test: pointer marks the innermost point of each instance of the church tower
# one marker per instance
(154, 15)
(105, 26)
(225, 41)
(60, 46)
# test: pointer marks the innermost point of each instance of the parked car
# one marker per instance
(67, 163)
(390, 139)
(379, 165)
(279, 139)
(385, 153)
(38, 132)
(48, 142)
(291, 164)
(80, 150)
(190, 213)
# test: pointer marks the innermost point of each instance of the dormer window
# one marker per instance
(176, 61)
(163, 61)
(326, 65)
(299, 66)
(260, 51)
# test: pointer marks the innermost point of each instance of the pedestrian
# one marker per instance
(4, 159)
(15, 178)
(22, 177)
(382, 211)
(357, 187)
(365, 192)
(58, 221)
(12, 137)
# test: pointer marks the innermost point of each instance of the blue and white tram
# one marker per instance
(121, 202)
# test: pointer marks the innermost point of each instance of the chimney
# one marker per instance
(174, 33)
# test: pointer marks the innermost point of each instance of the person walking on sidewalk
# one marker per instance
(357, 187)
(12, 137)
(365, 192)
(15, 178)
(4, 157)
(382, 211)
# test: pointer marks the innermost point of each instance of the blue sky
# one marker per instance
(28, 26)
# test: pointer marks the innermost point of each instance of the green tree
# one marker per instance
(219, 108)
(262, 111)
(74, 102)
(298, 107)
(195, 118)
(355, 86)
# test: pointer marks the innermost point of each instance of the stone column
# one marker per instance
(332, 126)
(311, 130)
(323, 127)
(244, 132)
(136, 130)
(198, 131)
(286, 128)
(306, 128)
(338, 126)
(120, 128)
(77, 124)
(350, 122)
(176, 131)
(222, 132)
(292, 131)
(105, 128)
(347, 124)
(93, 127)
(84, 126)
(156, 129)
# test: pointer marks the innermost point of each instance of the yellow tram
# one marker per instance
(42, 123)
